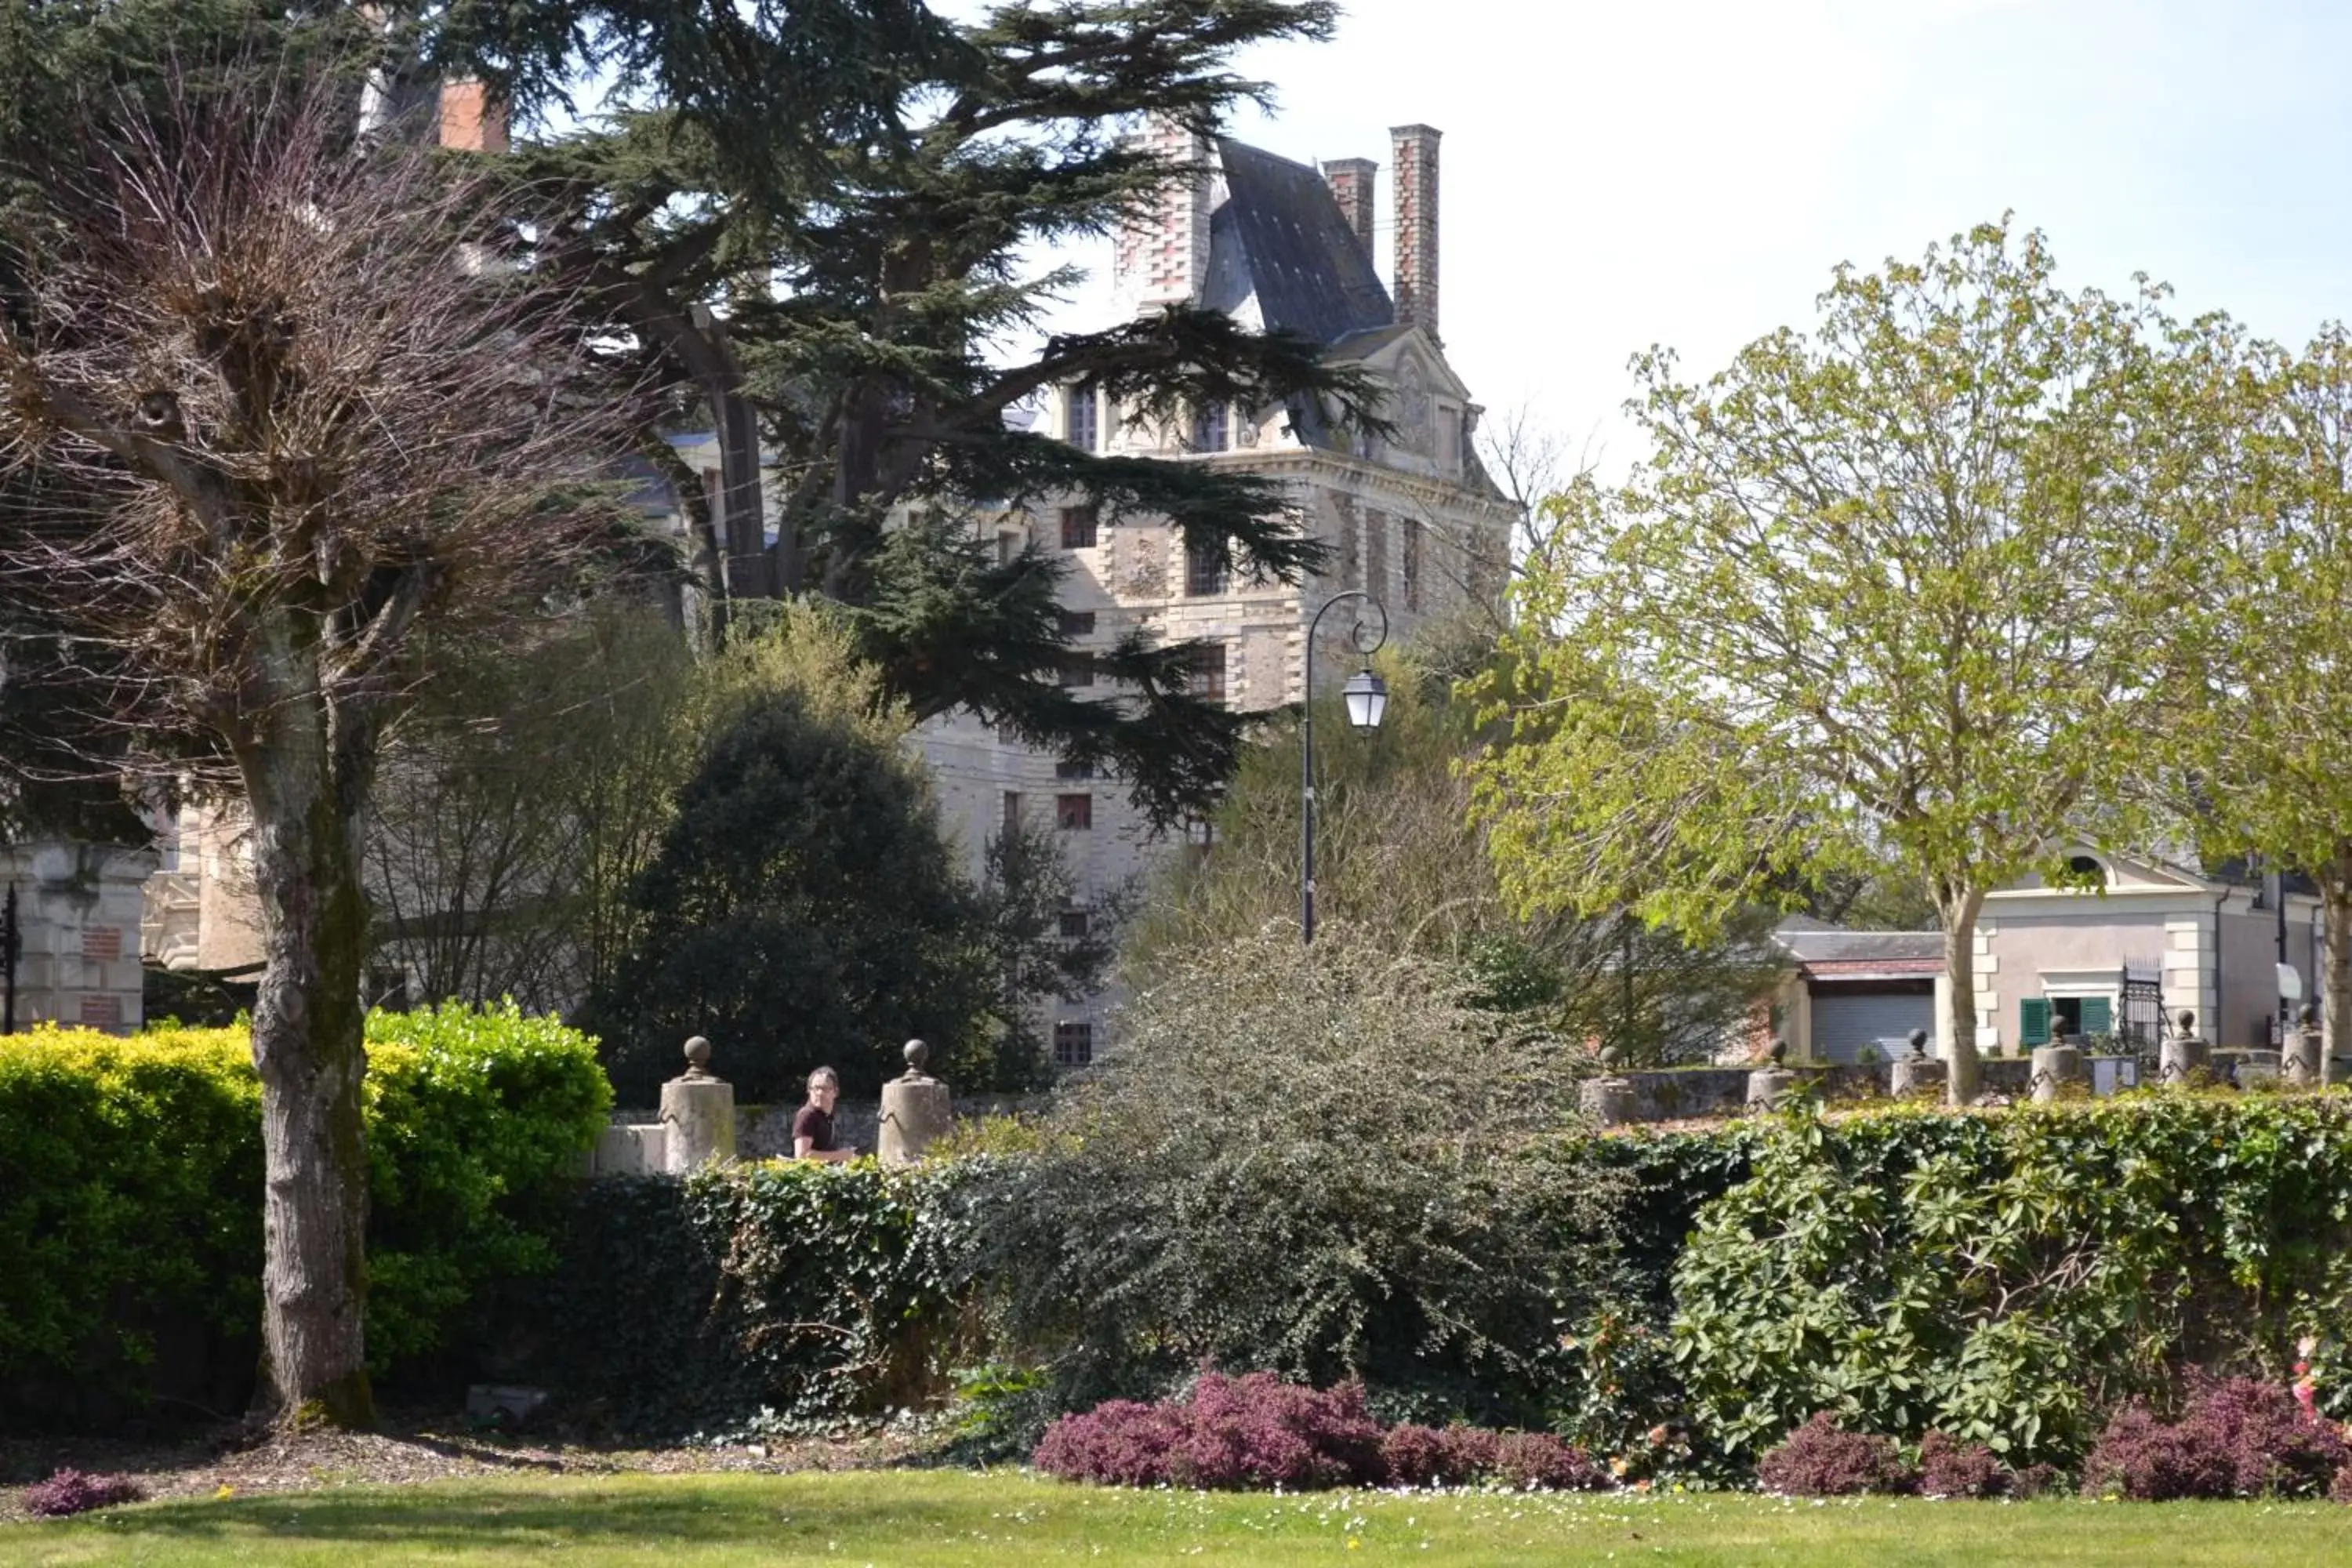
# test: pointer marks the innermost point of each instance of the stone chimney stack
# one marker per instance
(1351, 181)
(1415, 149)
(1160, 255)
(471, 119)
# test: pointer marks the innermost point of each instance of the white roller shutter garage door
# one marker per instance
(1845, 1022)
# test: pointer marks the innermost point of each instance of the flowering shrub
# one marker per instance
(1257, 1431)
(1950, 1469)
(2237, 1439)
(1819, 1459)
(78, 1491)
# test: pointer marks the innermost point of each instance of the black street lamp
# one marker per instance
(1367, 697)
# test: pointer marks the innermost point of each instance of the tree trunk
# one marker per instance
(305, 774)
(2335, 977)
(1958, 904)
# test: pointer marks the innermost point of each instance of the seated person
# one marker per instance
(813, 1124)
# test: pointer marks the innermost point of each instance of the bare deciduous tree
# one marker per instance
(310, 419)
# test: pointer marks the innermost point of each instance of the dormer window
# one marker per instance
(2089, 867)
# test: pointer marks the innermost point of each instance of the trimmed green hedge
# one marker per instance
(776, 1294)
(130, 1184)
(2009, 1278)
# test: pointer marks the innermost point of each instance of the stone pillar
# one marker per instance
(2305, 1062)
(1919, 1077)
(698, 1114)
(2053, 1067)
(915, 1111)
(2257, 1069)
(1771, 1087)
(1610, 1101)
(2184, 1060)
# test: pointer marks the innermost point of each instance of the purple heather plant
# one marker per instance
(78, 1491)
(1822, 1459)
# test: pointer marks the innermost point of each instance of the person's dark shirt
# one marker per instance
(816, 1125)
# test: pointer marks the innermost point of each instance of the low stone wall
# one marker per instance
(636, 1142)
(1674, 1094)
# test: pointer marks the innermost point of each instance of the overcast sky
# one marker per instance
(1687, 171)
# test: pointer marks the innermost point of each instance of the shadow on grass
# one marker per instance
(457, 1516)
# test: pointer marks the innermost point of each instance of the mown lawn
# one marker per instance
(913, 1518)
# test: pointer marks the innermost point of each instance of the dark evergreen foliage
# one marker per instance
(803, 912)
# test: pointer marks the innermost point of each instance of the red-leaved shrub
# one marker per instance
(1253, 1431)
(78, 1491)
(1437, 1455)
(1819, 1459)
(2240, 1437)
(1539, 1460)
(1118, 1443)
(1258, 1431)
(1948, 1467)
(2340, 1489)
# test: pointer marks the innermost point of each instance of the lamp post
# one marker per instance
(1367, 699)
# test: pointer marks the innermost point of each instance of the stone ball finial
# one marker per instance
(2307, 1015)
(1779, 1051)
(1608, 1058)
(698, 1056)
(918, 1054)
(1918, 1042)
(2187, 1022)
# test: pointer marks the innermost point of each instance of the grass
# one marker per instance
(909, 1519)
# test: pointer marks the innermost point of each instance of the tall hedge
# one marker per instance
(130, 1197)
(775, 1293)
(2009, 1278)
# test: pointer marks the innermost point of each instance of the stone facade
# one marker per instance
(1407, 517)
(79, 910)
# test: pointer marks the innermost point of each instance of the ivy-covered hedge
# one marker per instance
(772, 1294)
(2011, 1277)
(130, 1197)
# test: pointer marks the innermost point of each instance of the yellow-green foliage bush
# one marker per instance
(130, 1205)
(131, 1194)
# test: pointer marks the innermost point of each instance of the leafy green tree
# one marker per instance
(1397, 859)
(2264, 632)
(1871, 604)
(803, 909)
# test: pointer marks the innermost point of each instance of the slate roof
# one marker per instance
(1279, 235)
(1811, 942)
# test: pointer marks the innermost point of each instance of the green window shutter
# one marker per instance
(2033, 1021)
(2098, 1016)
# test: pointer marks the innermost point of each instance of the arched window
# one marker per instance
(2087, 866)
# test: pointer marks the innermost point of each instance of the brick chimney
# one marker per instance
(1351, 181)
(1415, 149)
(1160, 254)
(471, 119)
